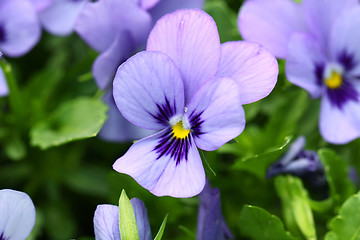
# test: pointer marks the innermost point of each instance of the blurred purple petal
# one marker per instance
(40, 5)
(305, 63)
(271, 23)
(215, 114)
(19, 27)
(253, 67)
(147, 4)
(142, 219)
(190, 38)
(59, 18)
(4, 90)
(148, 90)
(17, 213)
(164, 170)
(106, 222)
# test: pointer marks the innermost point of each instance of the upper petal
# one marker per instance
(320, 15)
(215, 114)
(40, 5)
(148, 90)
(168, 6)
(106, 222)
(253, 67)
(4, 90)
(142, 219)
(164, 166)
(345, 39)
(19, 22)
(305, 63)
(191, 39)
(271, 23)
(339, 126)
(17, 213)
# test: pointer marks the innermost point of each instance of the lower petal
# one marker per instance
(106, 222)
(158, 169)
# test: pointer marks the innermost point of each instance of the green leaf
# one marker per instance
(162, 228)
(258, 224)
(73, 120)
(127, 222)
(347, 224)
(337, 176)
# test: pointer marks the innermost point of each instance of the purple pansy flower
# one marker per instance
(17, 215)
(191, 89)
(19, 27)
(211, 224)
(304, 164)
(106, 221)
(319, 39)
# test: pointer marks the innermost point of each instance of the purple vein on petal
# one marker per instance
(165, 111)
(338, 97)
(196, 121)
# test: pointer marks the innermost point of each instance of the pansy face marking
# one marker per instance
(2, 33)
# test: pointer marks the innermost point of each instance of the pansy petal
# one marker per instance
(253, 67)
(40, 5)
(305, 63)
(4, 90)
(271, 23)
(106, 222)
(215, 114)
(345, 39)
(190, 38)
(117, 128)
(17, 213)
(147, 4)
(320, 15)
(148, 90)
(59, 18)
(158, 165)
(142, 219)
(19, 26)
(105, 65)
(339, 126)
(168, 6)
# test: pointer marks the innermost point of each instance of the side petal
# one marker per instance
(305, 63)
(148, 90)
(215, 114)
(339, 126)
(59, 18)
(168, 6)
(17, 213)
(271, 23)
(19, 22)
(106, 222)
(117, 128)
(4, 90)
(320, 15)
(190, 38)
(345, 39)
(253, 67)
(105, 65)
(164, 172)
(142, 219)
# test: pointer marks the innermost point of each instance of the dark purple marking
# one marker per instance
(165, 111)
(319, 73)
(195, 123)
(339, 96)
(2, 236)
(2, 33)
(176, 148)
(347, 60)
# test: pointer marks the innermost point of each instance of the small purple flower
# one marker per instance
(304, 164)
(191, 89)
(319, 40)
(17, 215)
(19, 27)
(211, 224)
(106, 221)
(4, 90)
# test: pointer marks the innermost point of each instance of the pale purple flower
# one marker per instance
(211, 224)
(17, 215)
(19, 27)
(319, 39)
(4, 90)
(106, 221)
(191, 89)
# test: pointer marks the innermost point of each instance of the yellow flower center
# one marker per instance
(179, 131)
(334, 81)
